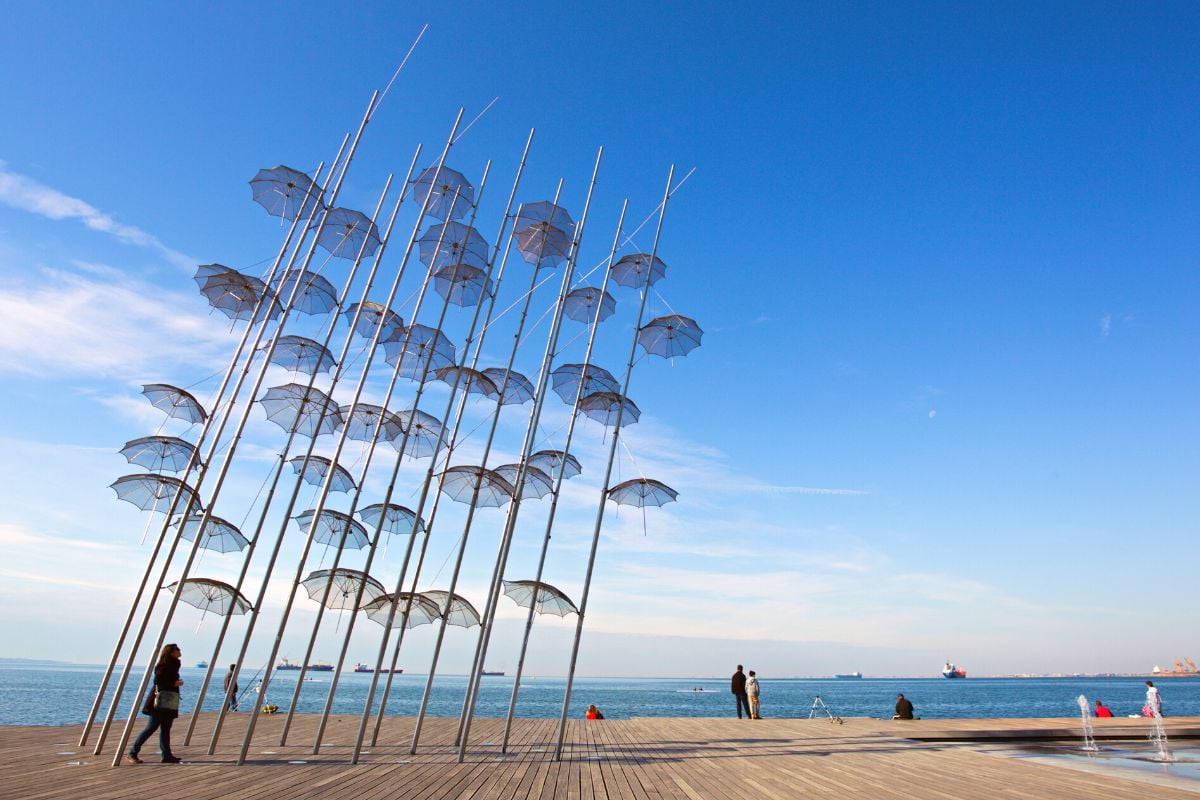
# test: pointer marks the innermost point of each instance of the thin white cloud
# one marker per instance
(25, 193)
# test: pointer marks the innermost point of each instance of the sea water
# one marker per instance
(63, 694)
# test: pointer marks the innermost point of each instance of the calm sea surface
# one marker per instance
(62, 695)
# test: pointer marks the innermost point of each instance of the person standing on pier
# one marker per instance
(231, 680)
(737, 685)
(162, 706)
(1153, 700)
(752, 693)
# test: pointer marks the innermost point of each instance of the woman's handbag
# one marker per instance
(166, 700)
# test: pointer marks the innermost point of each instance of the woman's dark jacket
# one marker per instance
(166, 672)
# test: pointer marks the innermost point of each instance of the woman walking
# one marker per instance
(162, 706)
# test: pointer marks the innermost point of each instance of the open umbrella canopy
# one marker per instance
(219, 535)
(332, 526)
(212, 596)
(543, 245)
(642, 492)
(605, 407)
(421, 352)
(367, 317)
(365, 422)
(306, 409)
(459, 483)
(449, 244)
(316, 295)
(542, 597)
(285, 192)
(174, 402)
(421, 610)
(160, 453)
(544, 211)
(347, 232)
(340, 588)
(394, 519)
(469, 380)
(516, 390)
(459, 612)
(449, 193)
(424, 433)
(566, 381)
(237, 296)
(206, 271)
(582, 305)
(316, 468)
(301, 354)
(670, 336)
(631, 270)
(537, 483)
(550, 461)
(462, 284)
(149, 490)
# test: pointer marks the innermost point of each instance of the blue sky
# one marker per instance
(945, 258)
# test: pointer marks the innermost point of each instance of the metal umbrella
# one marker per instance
(285, 192)
(459, 483)
(448, 191)
(582, 305)
(305, 409)
(160, 453)
(537, 483)
(301, 354)
(147, 490)
(421, 610)
(670, 336)
(518, 390)
(604, 407)
(347, 232)
(343, 587)
(461, 612)
(549, 461)
(362, 420)
(451, 243)
(206, 271)
(568, 377)
(211, 595)
(469, 380)
(395, 518)
(237, 296)
(642, 492)
(317, 468)
(544, 211)
(373, 315)
(331, 526)
(631, 270)
(174, 402)
(542, 597)
(424, 349)
(219, 535)
(462, 284)
(316, 295)
(424, 433)
(543, 244)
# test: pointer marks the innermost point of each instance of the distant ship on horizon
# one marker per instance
(317, 667)
(494, 673)
(849, 676)
(371, 669)
(952, 671)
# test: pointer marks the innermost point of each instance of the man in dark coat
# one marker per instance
(737, 685)
(904, 707)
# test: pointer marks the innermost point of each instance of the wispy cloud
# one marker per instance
(27, 194)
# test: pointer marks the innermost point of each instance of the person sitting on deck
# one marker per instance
(904, 708)
(1103, 710)
(593, 713)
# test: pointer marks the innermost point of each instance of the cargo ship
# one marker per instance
(952, 671)
(849, 676)
(489, 672)
(1181, 669)
(369, 669)
(317, 667)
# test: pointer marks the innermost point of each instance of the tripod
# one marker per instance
(819, 706)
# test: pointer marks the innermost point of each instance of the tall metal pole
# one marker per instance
(558, 482)
(612, 452)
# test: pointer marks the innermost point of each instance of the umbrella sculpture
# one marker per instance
(332, 526)
(206, 271)
(422, 610)
(219, 535)
(343, 587)
(582, 305)
(237, 296)
(316, 295)
(448, 191)
(147, 490)
(362, 420)
(372, 316)
(604, 406)
(670, 336)
(543, 244)
(537, 483)
(542, 597)
(462, 284)
(306, 409)
(210, 595)
(174, 402)
(519, 390)
(424, 433)
(160, 453)
(348, 232)
(469, 380)
(544, 211)
(395, 519)
(317, 468)
(301, 354)
(462, 613)
(459, 484)
(452, 243)
(549, 461)
(426, 349)
(567, 378)
(642, 492)
(285, 192)
(631, 270)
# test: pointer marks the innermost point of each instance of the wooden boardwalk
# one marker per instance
(654, 759)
